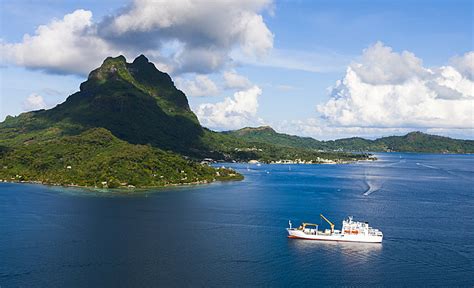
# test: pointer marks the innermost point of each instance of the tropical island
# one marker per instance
(129, 126)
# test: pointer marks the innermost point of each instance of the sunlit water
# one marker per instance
(228, 234)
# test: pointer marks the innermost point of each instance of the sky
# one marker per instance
(324, 69)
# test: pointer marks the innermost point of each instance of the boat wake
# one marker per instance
(373, 183)
(373, 186)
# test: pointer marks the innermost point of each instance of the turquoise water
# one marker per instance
(229, 234)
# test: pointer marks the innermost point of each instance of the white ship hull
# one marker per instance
(321, 236)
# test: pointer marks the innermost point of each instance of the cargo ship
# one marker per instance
(352, 231)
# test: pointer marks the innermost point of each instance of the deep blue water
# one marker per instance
(229, 234)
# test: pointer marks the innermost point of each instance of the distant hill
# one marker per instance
(268, 135)
(421, 142)
(144, 128)
(412, 142)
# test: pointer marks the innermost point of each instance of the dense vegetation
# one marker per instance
(421, 142)
(266, 134)
(96, 158)
(245, 149)
(412, 142)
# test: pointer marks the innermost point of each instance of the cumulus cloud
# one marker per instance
(68, 45)
(385, 89)
(464, 64)
(380, 65)
(34, 102)
(180, 35)
(232, 80)
(232, 113)
(200, 86)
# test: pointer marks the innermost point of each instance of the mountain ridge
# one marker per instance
(136, 102)
(415, 141)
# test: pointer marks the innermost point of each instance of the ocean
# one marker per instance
(233, 233)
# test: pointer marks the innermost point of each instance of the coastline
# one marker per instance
(121, 188)
(235, 177)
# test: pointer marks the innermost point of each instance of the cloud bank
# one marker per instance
(69, 45)
(179, 35)
(386, 89)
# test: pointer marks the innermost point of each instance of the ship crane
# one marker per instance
(329, 222)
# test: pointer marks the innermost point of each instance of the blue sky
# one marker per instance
(291, 57)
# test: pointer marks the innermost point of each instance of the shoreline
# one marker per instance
(120, 188)
(196, 183)
(292, 162)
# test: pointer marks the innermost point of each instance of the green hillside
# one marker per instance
(135, 101)
(421, 142)
(96, 158)
(268, 135)
(412, 142)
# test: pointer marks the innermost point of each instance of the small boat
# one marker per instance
(352, 231)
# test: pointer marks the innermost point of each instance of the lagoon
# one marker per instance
(233, 233)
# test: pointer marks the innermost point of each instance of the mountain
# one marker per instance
(135, 101)
(139, 104)
(143, 126)
(412, 142)
(268, 135)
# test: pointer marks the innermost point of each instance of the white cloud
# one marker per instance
(385, 89)
(34, 102)
(199, 23)
(232, 113)
(379, 65)
(200, 86)
(232, 80)
(202, 35)
(68, 45)
(464, 64)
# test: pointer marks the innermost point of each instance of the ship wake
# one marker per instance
(372, 185)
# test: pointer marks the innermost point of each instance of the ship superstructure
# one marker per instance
(352, 231)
